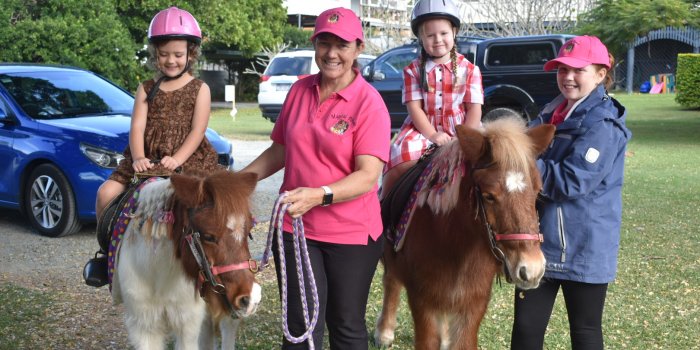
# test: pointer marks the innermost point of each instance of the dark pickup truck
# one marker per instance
(511, 69)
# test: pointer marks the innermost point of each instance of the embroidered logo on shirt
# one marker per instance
(570, 47)
(592, 155)
(340, 127)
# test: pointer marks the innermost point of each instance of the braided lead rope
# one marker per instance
(301, 254)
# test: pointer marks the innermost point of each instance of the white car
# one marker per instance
(285, 69)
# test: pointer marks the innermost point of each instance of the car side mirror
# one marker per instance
(378, 75)
(3, 114)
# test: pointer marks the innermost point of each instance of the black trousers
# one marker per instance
(584, 306)
(343, 276)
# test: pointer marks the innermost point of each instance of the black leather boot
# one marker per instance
(95, 271)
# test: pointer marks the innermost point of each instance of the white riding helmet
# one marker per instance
(427, 9)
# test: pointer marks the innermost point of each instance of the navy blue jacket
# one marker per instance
(580, 206)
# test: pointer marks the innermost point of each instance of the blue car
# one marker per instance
(62, 133)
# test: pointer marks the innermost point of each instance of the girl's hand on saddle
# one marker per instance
(440, 138)
(169, 163)
(302, 199)
(141, 165)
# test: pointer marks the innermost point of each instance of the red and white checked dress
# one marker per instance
(443, 103)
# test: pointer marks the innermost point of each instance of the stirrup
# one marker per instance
(95, 271)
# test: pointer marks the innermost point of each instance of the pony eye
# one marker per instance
(489, 197)
(209, 238)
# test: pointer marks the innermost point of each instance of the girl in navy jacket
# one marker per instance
(580, 206)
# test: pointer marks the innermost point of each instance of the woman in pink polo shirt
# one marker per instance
(332, 139)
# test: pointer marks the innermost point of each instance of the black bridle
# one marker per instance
(208, 272)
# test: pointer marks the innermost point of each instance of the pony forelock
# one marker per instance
(511, 147)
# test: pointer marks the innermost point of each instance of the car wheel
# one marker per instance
(49, 202)
(500, 112)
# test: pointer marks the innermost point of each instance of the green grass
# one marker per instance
(248, 125)
(23, 316)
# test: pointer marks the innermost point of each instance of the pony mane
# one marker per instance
(510, 149)
(440, 188)
(154, 209)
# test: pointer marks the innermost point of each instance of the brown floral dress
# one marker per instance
(168, 123)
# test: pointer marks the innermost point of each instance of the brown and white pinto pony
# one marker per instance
(157, 276)
(447, 262)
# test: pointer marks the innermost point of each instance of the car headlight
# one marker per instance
(101, 157)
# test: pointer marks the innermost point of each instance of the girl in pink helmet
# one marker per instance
(171, 111)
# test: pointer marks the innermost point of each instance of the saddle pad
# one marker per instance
(397, 207)
(120, 227)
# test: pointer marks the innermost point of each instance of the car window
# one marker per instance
(51, 95)
(3, 110)
(362, 61)
(514, 54)
(392, 65)
(289, 66)
(468, 50)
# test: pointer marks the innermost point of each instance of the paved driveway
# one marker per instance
(266, 192)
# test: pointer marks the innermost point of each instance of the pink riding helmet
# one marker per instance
(174, 23)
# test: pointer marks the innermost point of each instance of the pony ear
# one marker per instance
(541, 136)
(188, 189)
(473, 143)
(247, 182)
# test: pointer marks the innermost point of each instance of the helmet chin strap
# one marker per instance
(154, 90)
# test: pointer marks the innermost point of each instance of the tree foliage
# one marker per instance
(85, 34)
(248, 25)
(108, 36)
(618, 22)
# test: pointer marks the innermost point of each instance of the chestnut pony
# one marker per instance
(184, 265)
(474, 215)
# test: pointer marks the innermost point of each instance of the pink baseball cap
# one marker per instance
(580, 52)
(341, 22)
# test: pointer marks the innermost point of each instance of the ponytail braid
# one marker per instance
(423, 73)
(453, 58)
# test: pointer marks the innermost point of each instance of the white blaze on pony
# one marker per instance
(158, 277)
(515, 181)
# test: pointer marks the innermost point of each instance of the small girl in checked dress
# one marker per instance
(442, 89)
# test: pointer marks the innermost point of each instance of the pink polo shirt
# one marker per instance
(321, 142)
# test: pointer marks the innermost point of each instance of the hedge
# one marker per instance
(688, 80)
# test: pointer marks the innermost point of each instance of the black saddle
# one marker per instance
(95, 271)
(110, 215)
(394, 203)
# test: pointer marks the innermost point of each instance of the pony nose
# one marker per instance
(246, 305)
(242, 302)
(522, 273)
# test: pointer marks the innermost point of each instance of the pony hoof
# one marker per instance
(383, 340)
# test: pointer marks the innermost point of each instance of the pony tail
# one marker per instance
(423, 73)
(608, 80)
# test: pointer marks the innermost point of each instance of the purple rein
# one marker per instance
(300, 253)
